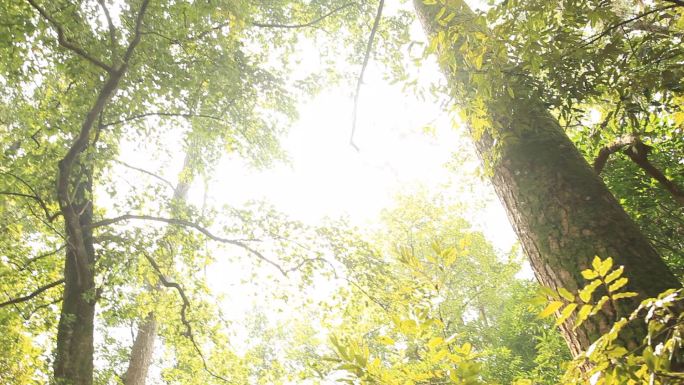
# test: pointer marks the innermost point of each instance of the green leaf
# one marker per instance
(614, 275)
(566, 294)
(434, 342)
(627, 294)
(605, 266)
(551, 308)
(589, 274)
(617, 284)
(566, 313)
(585, 293)
(582, 315)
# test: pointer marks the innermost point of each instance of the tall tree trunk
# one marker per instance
(561, 211)
(141, 353)
(74, 356)
(143, 347)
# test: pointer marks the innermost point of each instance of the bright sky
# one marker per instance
(326, 177)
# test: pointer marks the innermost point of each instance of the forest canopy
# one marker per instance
(327, 191)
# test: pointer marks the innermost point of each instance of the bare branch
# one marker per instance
(183, 314)
(304, 25)
(35, 196)
(165, 181)
(618, 145)
(32, 295)
(615, 26)
(165, 114)
(639, 154)
(369, 48)
(64, 41)
(181, 222)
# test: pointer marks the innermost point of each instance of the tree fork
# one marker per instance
(561, 211)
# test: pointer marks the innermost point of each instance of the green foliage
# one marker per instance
(609, 360)
(441, 305)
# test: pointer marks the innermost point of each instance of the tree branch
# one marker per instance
(183, 314)
(64, 41)
(33, 294)
(137, 33)
(184, 223)
(110, 24)
(620, 24)
(607, 151)
(146, 172)
(35, 196)
(304, 25)
(166, 114)
(639, 154)
(366, 57)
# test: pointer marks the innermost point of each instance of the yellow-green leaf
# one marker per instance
(617, 284)
(566, 313)
(585, 293)
(589, 274)
(551, 308)
(627, 294)
(434, 342)
(605, 266)
(566, 294)
(596, 263)
(582, 315)
(615, 274)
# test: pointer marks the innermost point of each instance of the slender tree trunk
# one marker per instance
(143, 347)
(561, 211)
(74, 357)
(142, 352)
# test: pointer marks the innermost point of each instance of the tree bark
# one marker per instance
(561, 211)
(74, 355)
(141, 353)
(143, 347)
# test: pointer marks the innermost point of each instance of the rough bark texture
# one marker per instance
(561, 211)
(74, 355)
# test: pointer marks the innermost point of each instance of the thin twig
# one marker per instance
(620, 24)
(304, 25)
(184, 223)
(366, 57)
(165, 114)
(150, 173)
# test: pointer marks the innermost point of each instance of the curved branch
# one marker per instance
(183, 314)
(639, 154)
(35, 196)
(304, 25)
(615, 26)
(166, 114)
(64, 42)
(150, 173)
(33, 294)
(359, 81)
(607, 151)
(184, 223)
